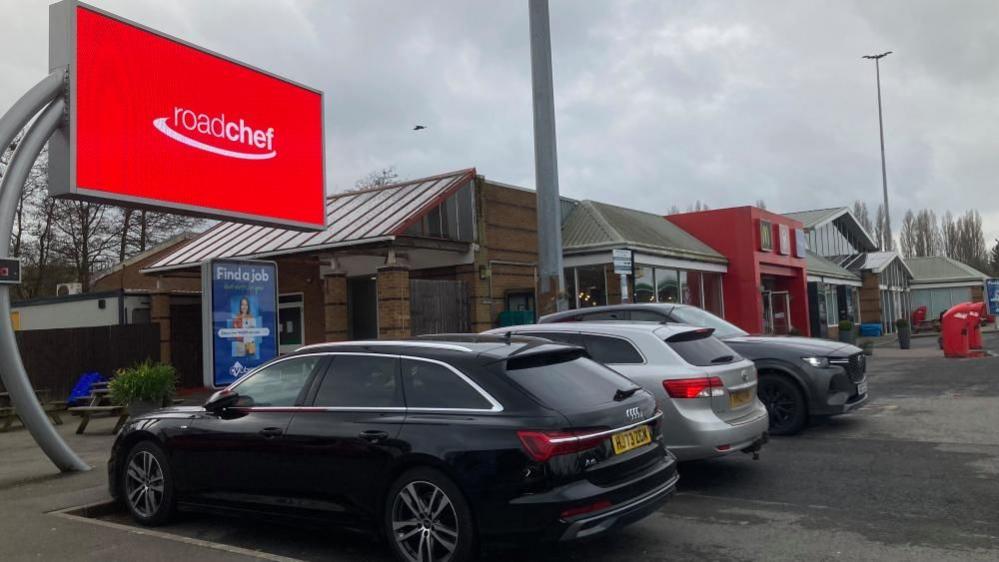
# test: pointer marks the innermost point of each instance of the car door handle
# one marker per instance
(271, 432)
(373, 435)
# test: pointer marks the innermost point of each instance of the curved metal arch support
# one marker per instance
(15, 379)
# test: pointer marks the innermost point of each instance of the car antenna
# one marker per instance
(508, 337)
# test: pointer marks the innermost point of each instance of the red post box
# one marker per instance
(954, 331)
(976, 311)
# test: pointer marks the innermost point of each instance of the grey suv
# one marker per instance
(798, 377)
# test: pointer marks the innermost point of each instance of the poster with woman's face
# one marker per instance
(244, 317)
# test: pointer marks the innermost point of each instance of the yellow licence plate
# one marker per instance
(631, 439)
(740, 397)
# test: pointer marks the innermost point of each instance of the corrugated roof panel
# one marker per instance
(358, 216)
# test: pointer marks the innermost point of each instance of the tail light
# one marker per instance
(700, 387)
(543, 445)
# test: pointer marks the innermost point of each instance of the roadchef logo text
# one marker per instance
(187, 127)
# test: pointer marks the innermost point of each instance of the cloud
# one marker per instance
(658, 103)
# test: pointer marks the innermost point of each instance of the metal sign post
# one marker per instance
(22, 396)
(622, 267)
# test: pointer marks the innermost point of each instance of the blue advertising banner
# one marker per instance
(243, 308)
(992, 296)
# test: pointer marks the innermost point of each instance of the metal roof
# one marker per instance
(599, 226)
(358, 217)
(821, 267)
(941, 269)
(876, 262)
(815, 218)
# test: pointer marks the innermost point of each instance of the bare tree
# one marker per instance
(994, 259)
(949, 238)
(879, 229)
(761, 204)
(88, 233)
(674, 210)
(863, 217)
(920, 234)
(377, 178)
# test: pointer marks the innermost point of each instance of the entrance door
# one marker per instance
(362, 308)
(291, 311)
(777, 313)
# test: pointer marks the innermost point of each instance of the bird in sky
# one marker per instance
(419, 127)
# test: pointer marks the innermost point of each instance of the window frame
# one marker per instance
(494, 405)
(306, 401)
(305, 394)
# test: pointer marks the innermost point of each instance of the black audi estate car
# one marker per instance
(437, 445)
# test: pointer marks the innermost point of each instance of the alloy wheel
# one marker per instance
(424, 523)
(144, 482)
(780, 404)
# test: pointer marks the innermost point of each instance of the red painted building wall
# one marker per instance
(736, 233)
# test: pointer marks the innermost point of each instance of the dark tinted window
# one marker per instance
(277, 384)
(570, 338)
(604, 315)
(361, 381)
(558, 379)
(647, 316)
(429, 385)
(702, 350)
(611, 350)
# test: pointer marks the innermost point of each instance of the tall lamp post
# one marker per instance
(886, 227)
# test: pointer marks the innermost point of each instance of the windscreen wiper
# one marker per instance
(623, 394)
(723, 359)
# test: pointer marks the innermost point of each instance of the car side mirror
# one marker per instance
(221, 400)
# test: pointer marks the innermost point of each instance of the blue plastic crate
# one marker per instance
(872, 330)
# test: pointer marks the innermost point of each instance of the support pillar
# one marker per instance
(335, 306)
(393, 302)
(159, 313)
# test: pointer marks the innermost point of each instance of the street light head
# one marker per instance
(875, 57)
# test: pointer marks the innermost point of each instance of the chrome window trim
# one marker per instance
(258, 368)
(369, 343)
(495, 406)
(608, 432)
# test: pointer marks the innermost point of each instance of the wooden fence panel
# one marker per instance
(439, 307)
(55, 359)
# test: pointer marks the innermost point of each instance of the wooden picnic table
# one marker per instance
(8, 413)
(98, 405)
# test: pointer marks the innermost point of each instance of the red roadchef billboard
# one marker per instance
(159, 123)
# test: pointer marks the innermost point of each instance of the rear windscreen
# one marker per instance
(560, 380)
(703, 351)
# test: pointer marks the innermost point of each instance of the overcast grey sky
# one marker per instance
(658, 102)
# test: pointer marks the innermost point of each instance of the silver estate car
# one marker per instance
(707, 392)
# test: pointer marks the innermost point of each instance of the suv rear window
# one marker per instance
(611, 350)
(702, 349)
(566, 379)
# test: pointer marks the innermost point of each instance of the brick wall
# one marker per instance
(508, 242)
(870, 298)
(301, 275)
(393, 302)
(335, 307)
(130, 276)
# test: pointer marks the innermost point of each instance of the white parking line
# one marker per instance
(66, 514)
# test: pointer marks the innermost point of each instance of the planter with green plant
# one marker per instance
(846, 332)
(143, 387)
(902, 325)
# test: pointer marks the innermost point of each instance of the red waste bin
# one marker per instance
(976, 311)
(954, 331)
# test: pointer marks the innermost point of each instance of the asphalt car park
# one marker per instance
(913, 475)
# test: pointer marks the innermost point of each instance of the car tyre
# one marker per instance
(147, 484)
(785, 404)
(427, 518)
